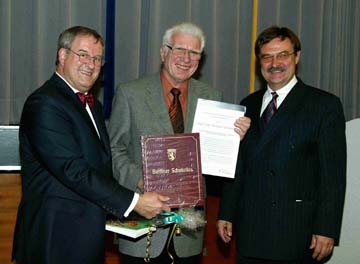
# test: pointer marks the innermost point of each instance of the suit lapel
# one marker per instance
(66, 91)
(156, 102)
(193, 95)
(100, 124)
(88, 120)
(290, 105)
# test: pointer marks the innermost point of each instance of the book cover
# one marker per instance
(172, 166)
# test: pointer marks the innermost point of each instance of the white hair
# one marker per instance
(185, 27)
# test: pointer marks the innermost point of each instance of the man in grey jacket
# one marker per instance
(141, 107)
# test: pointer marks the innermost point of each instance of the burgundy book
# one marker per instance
(172, 166)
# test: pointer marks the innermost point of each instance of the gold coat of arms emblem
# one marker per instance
(171, 153)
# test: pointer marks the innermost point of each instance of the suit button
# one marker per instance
(273, 203)
(271, 172)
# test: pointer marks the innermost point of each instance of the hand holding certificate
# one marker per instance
(218, 141)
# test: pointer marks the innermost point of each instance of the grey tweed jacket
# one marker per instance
(139, 108)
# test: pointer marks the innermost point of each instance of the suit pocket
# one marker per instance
(304, 211)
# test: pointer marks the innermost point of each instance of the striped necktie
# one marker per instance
(175, 112)
(269, 111)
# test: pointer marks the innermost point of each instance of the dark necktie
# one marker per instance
(86, 99)
(269, 111)
(175, 112)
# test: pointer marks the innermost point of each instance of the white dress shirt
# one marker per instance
(282, 93)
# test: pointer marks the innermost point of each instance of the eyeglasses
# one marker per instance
(282, 56)
(181, 52)
(86, 58)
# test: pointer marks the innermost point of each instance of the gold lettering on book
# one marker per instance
(173, 170)
(160, 171)
(180, 170)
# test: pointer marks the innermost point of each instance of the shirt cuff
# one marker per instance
(132, 205)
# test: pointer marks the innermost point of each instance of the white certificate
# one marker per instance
(219, 143)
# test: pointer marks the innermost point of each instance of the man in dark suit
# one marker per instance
(67, 180)
(141, 107)
(288, 194)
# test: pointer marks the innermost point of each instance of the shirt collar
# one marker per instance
(282, 93)
(284, 90)
(72, 88)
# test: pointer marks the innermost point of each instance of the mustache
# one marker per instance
(278, 68)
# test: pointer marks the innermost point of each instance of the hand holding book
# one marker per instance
(186, 218)
(151, 204)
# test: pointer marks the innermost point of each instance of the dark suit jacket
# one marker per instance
(290, 180)
(67, 180)
(139, 108)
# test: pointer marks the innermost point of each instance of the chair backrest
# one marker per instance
(9, 148)
(348, 251)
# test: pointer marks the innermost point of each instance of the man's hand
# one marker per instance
(151, 204)
(224, 229)
(323, 246)
(242, 125)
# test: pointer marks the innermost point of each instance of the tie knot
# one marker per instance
(274, 95)
(175, 92)
(86, 98)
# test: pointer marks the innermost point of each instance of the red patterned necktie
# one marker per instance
(86, 99)
(175, 112)
(269, 111)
